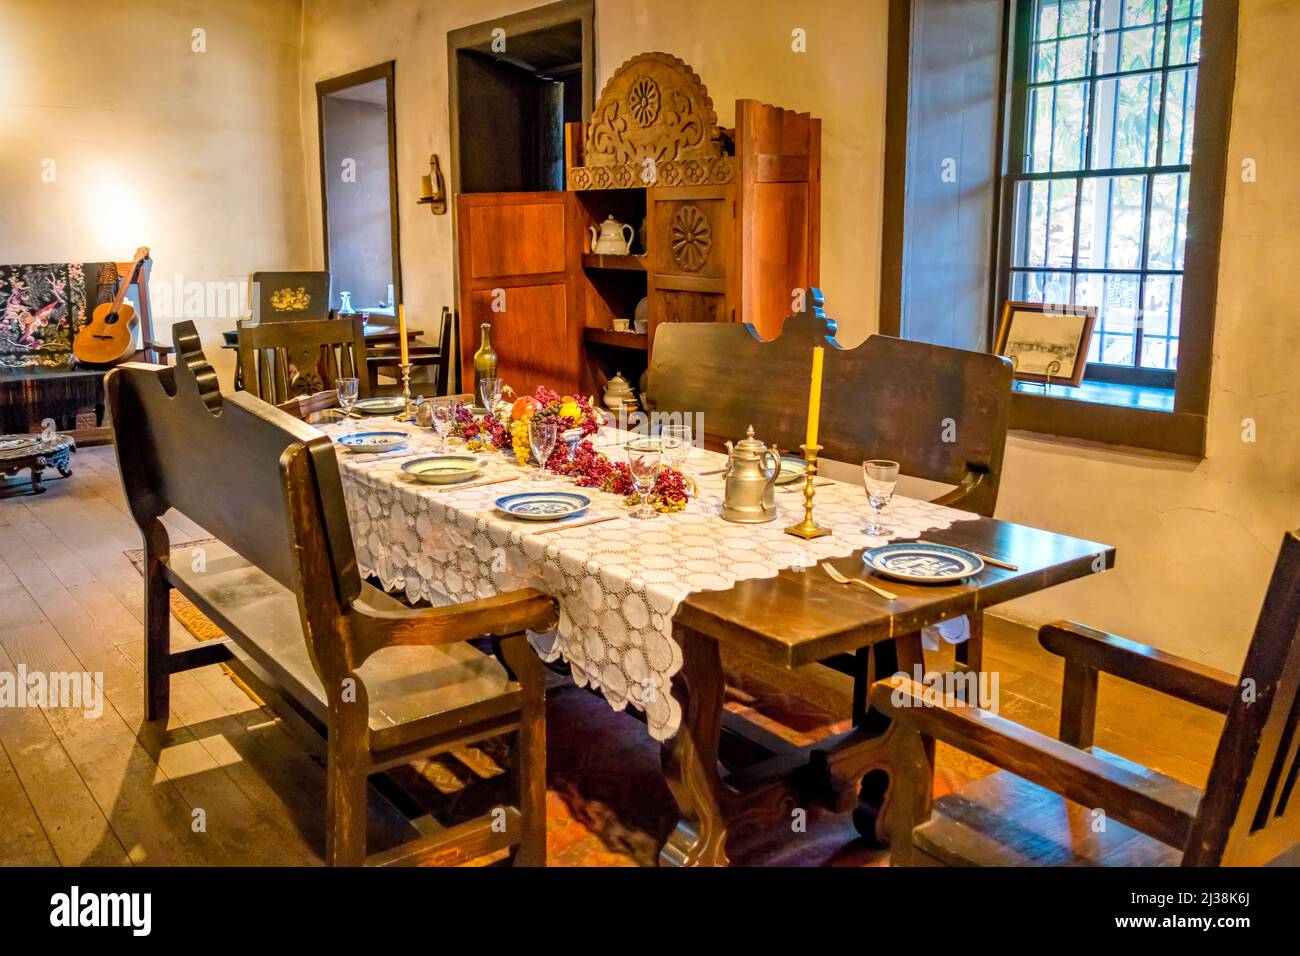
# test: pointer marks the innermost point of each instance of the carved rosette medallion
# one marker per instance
(644, 100)
(691, 237)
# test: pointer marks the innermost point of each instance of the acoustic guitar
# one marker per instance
(109, 336)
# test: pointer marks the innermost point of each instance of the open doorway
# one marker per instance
(515, 81)
(359, 190)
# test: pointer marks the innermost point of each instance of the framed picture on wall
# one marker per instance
(1046, 343)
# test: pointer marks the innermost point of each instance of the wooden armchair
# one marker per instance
(381, 683)
(282, 360)
(1065, 802)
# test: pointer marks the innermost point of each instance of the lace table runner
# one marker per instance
(618, 582)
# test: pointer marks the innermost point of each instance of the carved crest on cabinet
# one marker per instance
(653, 124)
(691, 237)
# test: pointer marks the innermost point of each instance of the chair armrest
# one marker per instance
(1131, 798)
(1168, 673)
(969, 484)
(371, 629)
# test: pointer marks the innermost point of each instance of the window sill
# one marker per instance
(1133, 416)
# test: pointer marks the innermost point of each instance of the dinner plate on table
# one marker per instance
(380, 406)
(543, 505)
(922, 563)
(443, 469)
(373, 442)
(792, 470)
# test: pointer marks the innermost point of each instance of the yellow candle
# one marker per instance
(815, 396)
(401, 333)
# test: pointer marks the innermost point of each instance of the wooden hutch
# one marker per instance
(727, 224)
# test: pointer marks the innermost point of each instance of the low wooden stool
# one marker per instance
(36, 452)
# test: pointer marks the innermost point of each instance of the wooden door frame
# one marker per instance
(477, 34)
(383, 71)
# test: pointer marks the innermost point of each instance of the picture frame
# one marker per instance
(1046, 342)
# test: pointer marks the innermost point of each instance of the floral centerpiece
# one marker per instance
(507, 428)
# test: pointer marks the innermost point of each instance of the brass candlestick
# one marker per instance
(406, 414)
(807, 528)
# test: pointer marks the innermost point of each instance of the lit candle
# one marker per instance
(401, 334)
(815, 396)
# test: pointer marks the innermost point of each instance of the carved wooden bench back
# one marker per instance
(942, 413)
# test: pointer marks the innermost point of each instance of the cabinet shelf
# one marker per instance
(637, 341)
(593, 260)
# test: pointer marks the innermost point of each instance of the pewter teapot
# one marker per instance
(613, 239)
(751, 473)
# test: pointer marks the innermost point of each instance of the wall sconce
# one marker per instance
(433, 191)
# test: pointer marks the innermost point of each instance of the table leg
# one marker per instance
(690, 758)
(38, 466)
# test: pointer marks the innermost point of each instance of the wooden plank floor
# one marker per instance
(223, 783)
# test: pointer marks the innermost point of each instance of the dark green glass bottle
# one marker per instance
(485, 359)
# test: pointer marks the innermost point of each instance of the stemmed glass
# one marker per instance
(644, 458)
(444, 416)
(347, 389)
(489, 393)
(542, 434)
(677, 446)
(880, 477)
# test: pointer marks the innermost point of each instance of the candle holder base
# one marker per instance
(406, 414)
(807, 528)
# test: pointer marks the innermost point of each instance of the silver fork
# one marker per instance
(839, 578)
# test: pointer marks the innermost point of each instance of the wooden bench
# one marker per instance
(382, 683)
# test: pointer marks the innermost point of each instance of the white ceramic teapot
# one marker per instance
(613, 239)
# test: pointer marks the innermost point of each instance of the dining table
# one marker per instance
(650, 609)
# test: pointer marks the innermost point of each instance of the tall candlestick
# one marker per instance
(401, 333)
(815, 396)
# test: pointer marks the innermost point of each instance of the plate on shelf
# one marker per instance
(380, 406)
(922, 563)
(792, 470)
(372, 442)
(543, 505)
(443, 469)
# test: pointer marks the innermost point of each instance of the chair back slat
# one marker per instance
(1251, 811)
(942, 413)
(284, 360)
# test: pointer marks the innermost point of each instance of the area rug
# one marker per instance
(607, 803)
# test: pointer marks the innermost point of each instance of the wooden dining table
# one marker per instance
(445, 544)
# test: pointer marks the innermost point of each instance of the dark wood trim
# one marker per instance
(1181, 432)
(526, 21)
(383, 71)
(894, 206)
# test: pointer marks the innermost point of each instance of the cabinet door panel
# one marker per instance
(691, 235)
(523, 238)
(526, 334)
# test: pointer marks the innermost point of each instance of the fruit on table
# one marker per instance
(523, 406)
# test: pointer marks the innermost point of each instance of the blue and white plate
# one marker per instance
(544, 505)
(372, 442)
(792, 470)
(922, 563)
(443, 469)
(380, 406)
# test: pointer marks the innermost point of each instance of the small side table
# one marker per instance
(37, 453)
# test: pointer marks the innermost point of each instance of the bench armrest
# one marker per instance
(969, 485)
(1092, 650)
(1131, 798)
(371, 629)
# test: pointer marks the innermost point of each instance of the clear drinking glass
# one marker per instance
(489, 392)
(644, 458)
(348, 389)
(880, 477)
(444, 416)
(542, 435)
(676, 444)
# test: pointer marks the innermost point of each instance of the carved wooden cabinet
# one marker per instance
(727, 225)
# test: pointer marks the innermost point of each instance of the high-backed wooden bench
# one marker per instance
(383, 683)
(941, 413)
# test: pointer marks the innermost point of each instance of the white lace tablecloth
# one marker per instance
(618, 582)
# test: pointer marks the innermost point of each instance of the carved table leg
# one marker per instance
(690, 758)
(38, 466)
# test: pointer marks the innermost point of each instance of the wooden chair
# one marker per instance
(1044, 807)
(281, 360)
(386, 360)
(941, 413)
(382, 683)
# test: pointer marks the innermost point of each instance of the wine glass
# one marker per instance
(347, 390)
(542, 435)
(677, 447)
(489, 393)
(880, 477)
(644, 457)
(444, 416)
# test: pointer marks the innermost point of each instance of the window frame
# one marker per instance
(1181, 431)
